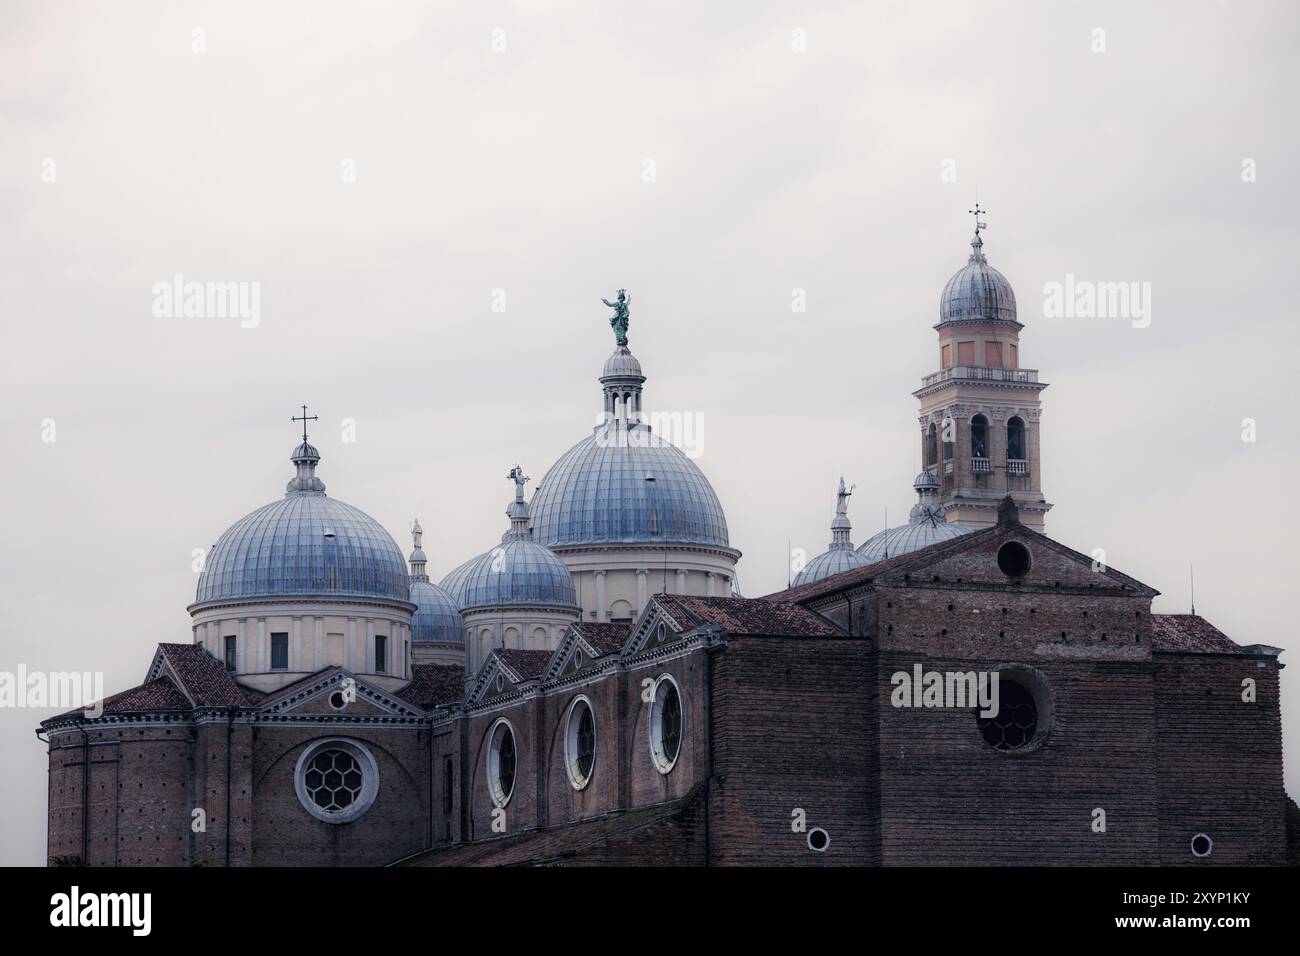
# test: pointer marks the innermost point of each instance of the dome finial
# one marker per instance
(977, 244)
(840, 526)
(418, 559)
(305, 458)
(518, 511)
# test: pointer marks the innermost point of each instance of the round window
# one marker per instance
(336, 780)
(1014, 559)
(819, 840)
(337, 700)
(1202, 845)
(665, 724)
(1015, 724)
(501, 762)
(580, 743)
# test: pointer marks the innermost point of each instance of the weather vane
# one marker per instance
(304, 418)
(977, 212)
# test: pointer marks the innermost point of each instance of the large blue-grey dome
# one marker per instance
(597, 493)
(305, 544)
(977, 291)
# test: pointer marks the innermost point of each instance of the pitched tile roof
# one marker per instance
(1189, 634)
(433, 685)
(604, 637)
(204, 678)
(748, 616)
(159, 694)
(527, 664)
(845, 579)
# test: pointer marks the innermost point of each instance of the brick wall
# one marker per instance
(1220, 759)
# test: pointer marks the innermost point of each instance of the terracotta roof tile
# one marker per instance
(604, 637)
(1189, 634)
(749, 615)
(203, 677)
(434, 685)
(527, 664)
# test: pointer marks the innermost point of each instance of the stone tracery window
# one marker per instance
(665, 724)
(336, 780)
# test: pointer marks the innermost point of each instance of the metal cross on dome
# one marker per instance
(304, 418)
(977, 212)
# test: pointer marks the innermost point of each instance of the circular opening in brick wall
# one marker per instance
(580, 743)
(1014, 559)
(1202, 845)
(336, 779)
(1024, 712)
(665, 723)
(337, 700)
(818, 840)
(501, 762)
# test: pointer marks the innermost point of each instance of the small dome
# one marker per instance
(517, 572)
(454, 582)
(977, 291)
(907, 538)
(840, 556)
(926, 525)
(828, 563)
(304, 545)
(437, 616)
(622, 364)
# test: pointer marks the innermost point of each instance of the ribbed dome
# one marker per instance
(926, 525)
(518, 572)
(305, 544)
(977, 291)
(827, 563)
(622, 364)
(840, 556)
(598, 493)
(454, 582)
(437, 616)
(907, 538)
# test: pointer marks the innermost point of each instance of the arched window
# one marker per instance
(949, 439)
(979, 437)
(932, 445)
(1015, 438)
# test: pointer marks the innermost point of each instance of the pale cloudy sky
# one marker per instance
(522, 170)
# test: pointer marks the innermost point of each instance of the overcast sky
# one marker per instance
(130, 157)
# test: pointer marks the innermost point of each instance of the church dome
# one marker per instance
(599, 492)
(977, 291)
(437, 616)
(926, 525)
(840, 556)
(517, 572)
(305, 544)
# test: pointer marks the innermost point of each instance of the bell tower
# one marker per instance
(980, 412)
